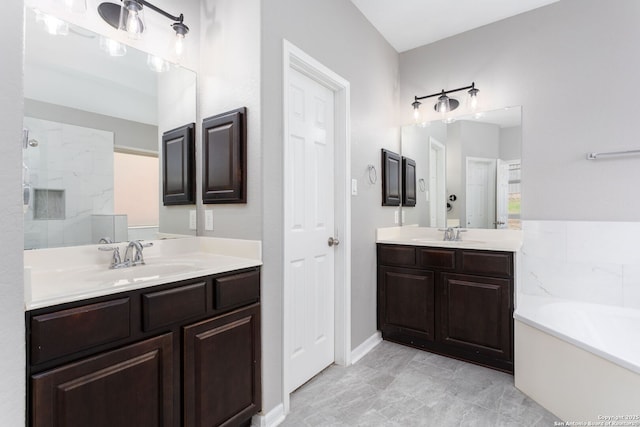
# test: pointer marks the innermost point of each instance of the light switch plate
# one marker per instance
(192, 219)
(354, 187)
(208, 220)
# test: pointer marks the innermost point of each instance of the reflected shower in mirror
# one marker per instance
(93, 121)
(468, 170)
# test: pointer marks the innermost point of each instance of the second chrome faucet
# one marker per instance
(132, 255)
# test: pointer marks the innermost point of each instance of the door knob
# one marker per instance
(333, 242)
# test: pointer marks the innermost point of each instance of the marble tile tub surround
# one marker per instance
(597, 262)
(58, 275)
(472, 238)
(395, 385)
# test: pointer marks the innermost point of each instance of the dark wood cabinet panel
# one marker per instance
(409, 196)
(222, 369)
(444, 259)
(131, 386)
(178, 166)
(68, 331)
(490, 263)
(236, 290)
(391, 168)
(224, 145)
(163, 308)
(476, 314)
(401, 256)
(406, 299)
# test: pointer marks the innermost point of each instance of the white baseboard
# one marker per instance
(364, 348)
(273, 418)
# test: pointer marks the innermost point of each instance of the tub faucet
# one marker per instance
(135, 246)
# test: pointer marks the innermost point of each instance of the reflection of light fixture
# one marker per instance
(157, 64)
(445, 103)
(112, 47)
(52, 25)
(129, 17)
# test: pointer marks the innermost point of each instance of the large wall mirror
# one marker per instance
(93, 122)
(467, 170)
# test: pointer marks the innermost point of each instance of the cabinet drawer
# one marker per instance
(236, 290)
(67, 331)
(402, 256)
(490, 263)
(173, 305)
(444, 259)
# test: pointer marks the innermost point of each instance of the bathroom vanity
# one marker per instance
(451, 298)
(161, 352)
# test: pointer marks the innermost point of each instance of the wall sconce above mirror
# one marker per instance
(445, 103)
(129, 17)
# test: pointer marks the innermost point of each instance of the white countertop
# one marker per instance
(60, 275)
(473, 238)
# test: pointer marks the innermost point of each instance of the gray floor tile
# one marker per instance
(395, 385)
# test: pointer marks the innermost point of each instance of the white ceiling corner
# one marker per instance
(407, 24)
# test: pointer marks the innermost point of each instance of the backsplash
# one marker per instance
(596, 262)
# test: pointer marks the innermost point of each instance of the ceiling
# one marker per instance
(407, 24)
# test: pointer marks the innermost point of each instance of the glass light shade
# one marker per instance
(112, 47)
(473, 98)
(132, 18)
(179, 46)
(443, 106)
(157, 64)
(416, 111)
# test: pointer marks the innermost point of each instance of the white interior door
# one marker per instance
(437, 184)
(481, 192)
(309, 222)
(502, 194)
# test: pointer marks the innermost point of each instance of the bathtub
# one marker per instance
(580, 361)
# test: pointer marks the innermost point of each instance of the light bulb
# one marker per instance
(131, 18)
(179, 46)
(416, 111)
(473, 96)
(112, 47)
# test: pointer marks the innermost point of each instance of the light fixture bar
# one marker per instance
(446, 92)
(162, 12)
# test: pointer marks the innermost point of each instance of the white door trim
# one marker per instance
(296, 59)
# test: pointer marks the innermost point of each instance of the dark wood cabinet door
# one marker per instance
(406, 302)
(391, 168)
(476, 314)
(224, 145)
(178, 166)
(409, 196)
(131, 386)
(222, 369)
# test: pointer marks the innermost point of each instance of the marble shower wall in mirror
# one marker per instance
(467, 170)
(94, 124)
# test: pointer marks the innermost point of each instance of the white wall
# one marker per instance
(575, 83)
(12, 351)
(229, 78)
(511, 143)
(336, 34)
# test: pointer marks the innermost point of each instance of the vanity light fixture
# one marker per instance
(445, 103)
(129, 18)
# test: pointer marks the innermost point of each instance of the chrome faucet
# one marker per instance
(135, 246)
(452, 234)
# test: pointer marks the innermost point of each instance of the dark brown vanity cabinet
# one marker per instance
(455, 302)
(181, 354)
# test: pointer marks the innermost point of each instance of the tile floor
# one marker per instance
(395, 385)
